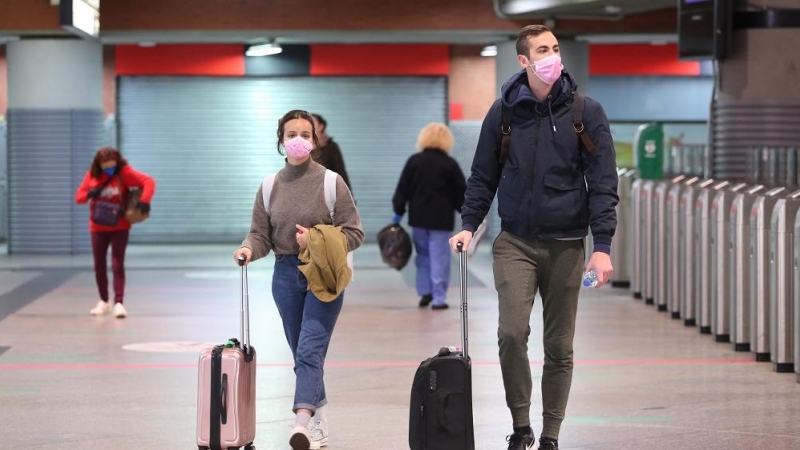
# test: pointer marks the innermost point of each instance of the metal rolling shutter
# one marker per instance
(209, 142)
(3, 182)
(49, 152)
(741, 127)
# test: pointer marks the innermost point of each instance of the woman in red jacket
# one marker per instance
(106, 186)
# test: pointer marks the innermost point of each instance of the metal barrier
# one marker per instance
(760, 221)
(622, 244)
(739, 269)
(674, 249)
(720, 250)
(688, 160)
(660, 242)
(781, 258)
(703, 226)
(796, 314)
(646, 240)
(636, 272)
(688, 276)
(774, 165)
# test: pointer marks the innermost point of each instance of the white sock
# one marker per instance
(320, 414)
(302, 418)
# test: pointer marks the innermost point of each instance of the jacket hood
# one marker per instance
(516, 90)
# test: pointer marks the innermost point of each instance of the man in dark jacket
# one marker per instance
(329, 155)
(551, 188)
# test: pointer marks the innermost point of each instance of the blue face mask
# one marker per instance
(110, 171)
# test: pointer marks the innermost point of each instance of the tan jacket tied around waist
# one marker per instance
(324, 262)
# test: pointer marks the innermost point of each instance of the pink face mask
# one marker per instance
(548, 69)
(297, 147)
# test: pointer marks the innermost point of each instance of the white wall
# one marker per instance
(55, 74)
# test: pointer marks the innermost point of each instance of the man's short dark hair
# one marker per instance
(320, 120)
(522, 38)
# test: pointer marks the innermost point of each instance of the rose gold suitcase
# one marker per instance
(226, 394)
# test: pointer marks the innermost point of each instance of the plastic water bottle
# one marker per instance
(590, 279)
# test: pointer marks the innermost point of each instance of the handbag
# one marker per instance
(132, 212)
(105, 212)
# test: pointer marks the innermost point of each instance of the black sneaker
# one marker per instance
(442, 306)
(518, 441)
(425, 300)
(547, 444)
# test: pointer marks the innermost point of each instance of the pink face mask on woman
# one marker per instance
(548, 69)
(297, 147)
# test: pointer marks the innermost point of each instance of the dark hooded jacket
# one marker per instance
(550, 186)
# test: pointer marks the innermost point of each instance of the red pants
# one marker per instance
(100, 242)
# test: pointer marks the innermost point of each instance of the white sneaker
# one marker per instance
(100, 308)
(318, 429)
(300, 439)
(119, 311)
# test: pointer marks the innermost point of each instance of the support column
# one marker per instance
(55, 125)
(3, 82)
(3, 147)
(757, 104)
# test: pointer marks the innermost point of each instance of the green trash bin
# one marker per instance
(648, 154)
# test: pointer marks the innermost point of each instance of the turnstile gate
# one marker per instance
(720, 292)
(781, 280)
(760, 221)
(739, 270)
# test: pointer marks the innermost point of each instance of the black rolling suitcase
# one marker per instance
(441, 395)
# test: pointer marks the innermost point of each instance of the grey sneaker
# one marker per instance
(318, 429)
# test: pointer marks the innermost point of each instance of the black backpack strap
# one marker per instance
(505, 128)
(577, 121)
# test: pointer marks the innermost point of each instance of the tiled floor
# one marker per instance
(71, 381)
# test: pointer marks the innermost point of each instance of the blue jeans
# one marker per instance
(433, 263)
(308, 324)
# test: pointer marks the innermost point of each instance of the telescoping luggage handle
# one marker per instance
(462, 275)
(244, 310)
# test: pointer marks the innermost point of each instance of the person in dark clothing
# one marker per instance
(329, 155)
(433, 186)
(551, 188)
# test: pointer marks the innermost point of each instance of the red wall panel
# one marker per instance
(189, 59)
(377, 59)
(639, 59)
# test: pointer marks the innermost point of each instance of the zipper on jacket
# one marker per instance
(531, 191)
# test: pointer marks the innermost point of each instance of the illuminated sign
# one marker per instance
(81, 17)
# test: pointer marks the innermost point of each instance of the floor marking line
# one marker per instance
(363, 364)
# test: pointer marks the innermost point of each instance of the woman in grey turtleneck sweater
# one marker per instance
(297, 203)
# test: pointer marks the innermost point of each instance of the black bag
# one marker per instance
(440, 417)
(106, 213)
(395, 245)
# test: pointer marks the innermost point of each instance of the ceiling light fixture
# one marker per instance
(270, 48)
(489, 50)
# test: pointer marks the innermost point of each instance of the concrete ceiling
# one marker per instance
(313, 36)
(591, 11)
(584, 9)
